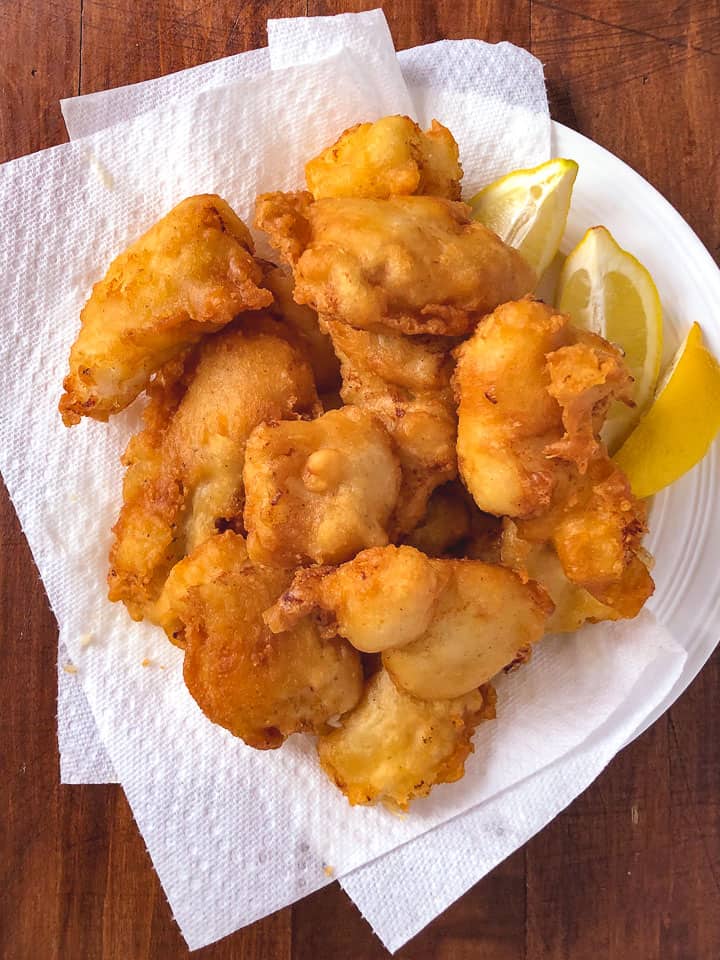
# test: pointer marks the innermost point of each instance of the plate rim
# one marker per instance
(709, 268)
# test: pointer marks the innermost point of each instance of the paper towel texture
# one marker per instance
(97, 111)
(202, 799)
(302, 40)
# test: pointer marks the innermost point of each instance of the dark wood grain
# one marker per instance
(39, 64)
(125, 41)
(413, 22)
(632, 868)
(642, 79)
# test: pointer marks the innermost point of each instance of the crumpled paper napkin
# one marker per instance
(234, 834)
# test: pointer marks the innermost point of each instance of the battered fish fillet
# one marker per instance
(394, 748)
(532, 395)
(416, 264)
(303, 329)
(321, 490)
(596, 526)
(574, 606)
(189, 275)
(390, 157)
(405, 381)
(184, 470)
(444, 627)
(260, 686)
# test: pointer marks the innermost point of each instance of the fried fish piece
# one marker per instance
(596, 526)
(321, 490)
(303, 328)
(405, 381)
(189, 275)
(184, 470)
(416, 264)
(444, 627)
(574, 606)
(260, 686)
(387, 158)
(394, 748)
(532, 396)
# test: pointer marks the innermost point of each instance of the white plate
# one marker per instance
(685, 518)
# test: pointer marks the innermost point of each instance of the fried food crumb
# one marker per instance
(145, 662)
(70, 668)
(86, 639)
(328, 870)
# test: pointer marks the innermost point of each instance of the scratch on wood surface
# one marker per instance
(636, 31)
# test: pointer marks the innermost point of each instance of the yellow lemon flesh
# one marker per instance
(682, 422)
(606, 290)
(528, 209)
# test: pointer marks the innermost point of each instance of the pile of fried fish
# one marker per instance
(370, 477)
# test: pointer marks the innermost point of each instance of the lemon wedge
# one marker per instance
(528, 209)
(682, 422)
(606, 290)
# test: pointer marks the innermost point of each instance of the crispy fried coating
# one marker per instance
(447, 523)
(585, 377)
(260, 686)
(205, 564)
(184, 470)
(596, 526)
(444, 626)
(382, 599)
(321, 490)
(574, 606)
(405, 381)
(532, 395)
(394, 748)
(303, 328)
(189, 275)
(416, 264)
(390, 157)
(486, 619)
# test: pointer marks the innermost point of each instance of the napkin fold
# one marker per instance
(202, 800)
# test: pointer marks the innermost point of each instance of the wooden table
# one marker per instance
(632, 868)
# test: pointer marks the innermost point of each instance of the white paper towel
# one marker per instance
(202, 800)
(97, 111)
(462, 82)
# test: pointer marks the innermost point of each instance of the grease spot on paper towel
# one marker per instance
(101, 171)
